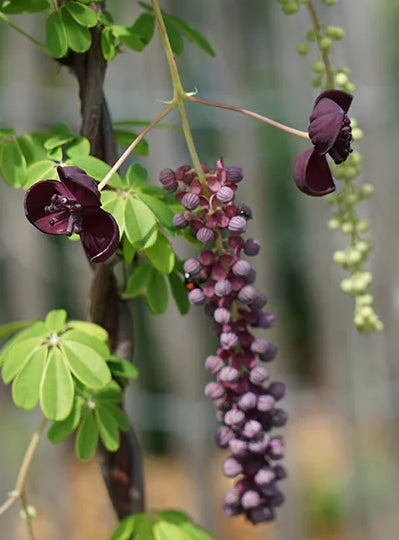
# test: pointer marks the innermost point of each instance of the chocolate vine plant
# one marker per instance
(77, 370)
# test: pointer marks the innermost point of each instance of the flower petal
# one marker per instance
(341, 98)
(37, 198)
(100, 234)
(312, 175)
(81, 186)
(325, 125)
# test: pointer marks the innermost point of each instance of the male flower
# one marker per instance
(73, 205)
(330, 133)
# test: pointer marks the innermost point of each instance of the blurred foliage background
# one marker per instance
(343, 395)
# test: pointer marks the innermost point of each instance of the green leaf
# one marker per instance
(87, 437)
(26, 385)
(108, 427)
(157, 293)
(187, 527)
(143, 27)
(118, 415)
(161, 255)
(162, 530)
(108, 46)
(97, 169)
(59, 140)
(104, 17)
(55, 320)
(112, 393)
(41, 170)
(127, 37)
(128, 251)
(193, 35)
(91, 341)
(7, 329)
(17, 357)
(57, 43)
(179, 293)
(59, 431)
(160, 209)
(140, 224)
(13, 163)
(56, 390)
(32, 149)
(90, 328)
(122, 368)
(125, 529)
(125, 138)
(38, 329)
(136, 175)
(78, 37)
(175, 39)
(19, 7)
(138, 280)
(82, 14)
(86, 365)
(115, 205)
(80, 146)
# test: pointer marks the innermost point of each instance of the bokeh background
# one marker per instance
(343, 394)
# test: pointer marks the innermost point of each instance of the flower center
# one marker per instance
(66, 209)
(342, 146)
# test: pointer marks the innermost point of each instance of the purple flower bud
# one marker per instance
(250, 499)
(225, 194)
(234, 174)
(238, 225)
(222, 315)
(228, 340)
(179, 220)
(238, 447)
(190, 201)
(231, 497)
(251, 247)
(265, 403)
(251, 429)
(228, 374)
(213, 364)
(260, 345)
(234, 418)
(270, 354)
(223, 436)
(232, 510)
(196, 297)
(192, 267)
(277, 390)
(247, 294)
(279, 418)
(214, 390)
(276, 448)
(280, 472)
(259, 446)
(247, 401)
(277, 499)
(264, 320)
(168, 180)
(260, 300)
(264, 476)
(260, 514)
(223, 288)
(232, 467)
(258, 375)
(205, 235)
(241, 268)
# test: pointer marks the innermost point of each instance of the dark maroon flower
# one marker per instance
(330, 133)
(73, 205)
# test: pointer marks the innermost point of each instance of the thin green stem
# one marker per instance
(28, 518)
(6, 20)
(287, 129)
(132, 146)
(324, 55)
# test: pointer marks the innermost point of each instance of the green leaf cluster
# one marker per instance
(168, 524)
(21, 7)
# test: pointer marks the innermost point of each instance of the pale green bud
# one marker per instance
(357, 134)
(362, 225)
(363, 246)
(354, 256)
(349, 87)
(334, 224)
(347, 228)
(318, 66)
(302, 49)
(316, 81)
(290, 8)
(325, 44)
(335, 32)
(341, 79)
(340, 257)
(367, 190)
(347, 285)
(311, 35)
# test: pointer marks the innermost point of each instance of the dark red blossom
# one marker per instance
(73, 205)
(330, 133)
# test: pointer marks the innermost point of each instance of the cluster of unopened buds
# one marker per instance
(222, 282)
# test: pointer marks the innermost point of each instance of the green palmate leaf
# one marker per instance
(26, 385)
(127, 37)
(78, 37)
(93, 342)
(193, 35)
(185, 525)
(113, 203)
(125, 138)
(19, 7)
(162, 530)
(12, 163)
(138, 280)
(179, 293)
(57, 43)
(17, 356)
(161, 255)
(58, 140)
(59, 431)
(143, 528)
(38, 329)
(122, 368)
(140, 224)
(160, 209)
(32, 148)
(86, 364)
(125, 529)
(105, 18)
(108, 46)
(175, 39)
(136, 175)
(108, 427)
(8, 329)
(87, 437)
(97, 169)
(90, 328)
(143, 27)
(119, 416)
(80, 146)
(128, 250)
(82, 14)
(41, 170)
(157, 293)
(55, 154)
(55, 320)
(111, 393)
(56, 390)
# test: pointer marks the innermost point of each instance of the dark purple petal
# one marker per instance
(100, 234)
(341, 98)
(325, 125)
(81, 186)
(312, 175)
(37, 198)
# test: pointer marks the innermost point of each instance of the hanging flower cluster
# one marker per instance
(223, 283)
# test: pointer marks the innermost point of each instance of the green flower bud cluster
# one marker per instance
(290, 7)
